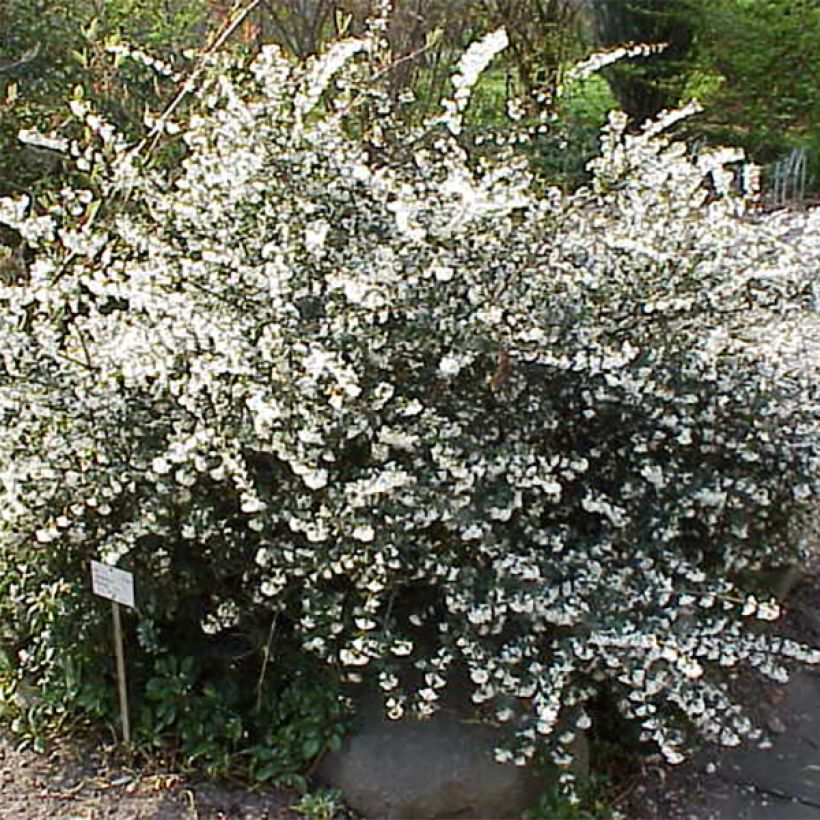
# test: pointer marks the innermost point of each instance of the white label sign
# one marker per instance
(112, 583)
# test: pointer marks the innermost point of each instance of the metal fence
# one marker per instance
(788, 179)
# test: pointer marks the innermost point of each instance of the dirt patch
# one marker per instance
(83, 781)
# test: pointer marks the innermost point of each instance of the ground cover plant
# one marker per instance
(351, 395)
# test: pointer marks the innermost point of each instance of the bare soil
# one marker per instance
(79, 780)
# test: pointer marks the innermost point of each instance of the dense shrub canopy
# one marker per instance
(376, 384)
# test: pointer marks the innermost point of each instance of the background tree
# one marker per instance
(544, 40)
(655, 83)
(427, 35)
(758, 73)
(751, 63)
(300, 26)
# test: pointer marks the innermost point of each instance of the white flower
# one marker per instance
(654, 475)
(323, 70)
(38, 140)
(767, 611)
(397, 438)
(388, 682)
(160, 466)
(449, 366)
(750, 606)
(352, 657)
(711, 498)
(315, 236)
(443, 273)
(13, 210)
(364, 533)
(672, 756)
(412, 408)
(402, 648)
(315, 479)
(251, 505)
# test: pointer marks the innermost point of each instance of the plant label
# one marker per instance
(112, 583)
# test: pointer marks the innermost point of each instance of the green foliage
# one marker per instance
(320, 805)
(758, 67)
(592, 801)
(38, 678)
(238, 720)
(223, 716)
(50, 52)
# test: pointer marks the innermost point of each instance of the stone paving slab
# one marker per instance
(780, 783)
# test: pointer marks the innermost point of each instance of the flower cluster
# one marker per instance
(441, 420)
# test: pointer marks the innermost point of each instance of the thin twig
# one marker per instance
(265, 660)
(87, 355)
(382, 73)
(221, 37)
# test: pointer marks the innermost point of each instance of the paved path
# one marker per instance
(781, 783)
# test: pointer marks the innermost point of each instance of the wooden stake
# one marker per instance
(123, 687)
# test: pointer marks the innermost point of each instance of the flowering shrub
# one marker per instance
(365, 390)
